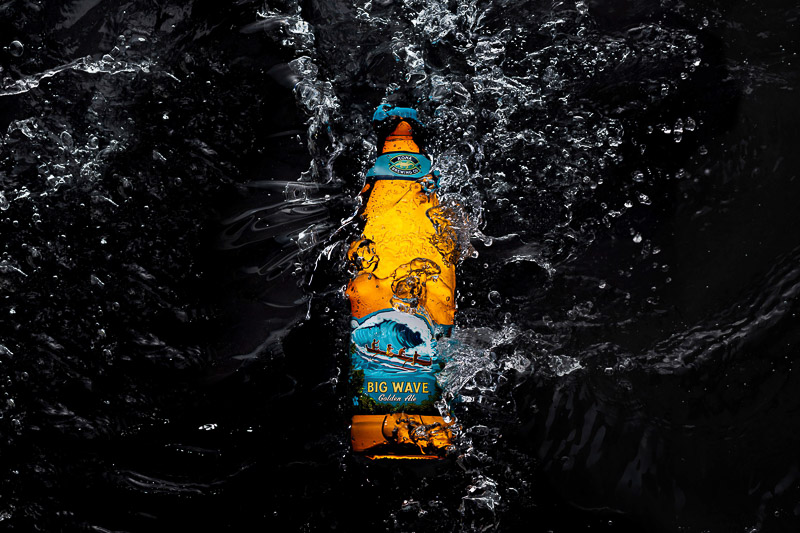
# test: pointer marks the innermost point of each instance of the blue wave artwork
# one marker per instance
(391, 342)
(388, 332)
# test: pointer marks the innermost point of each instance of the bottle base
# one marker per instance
(400, 436)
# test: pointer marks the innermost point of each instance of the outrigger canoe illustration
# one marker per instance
(374, 348)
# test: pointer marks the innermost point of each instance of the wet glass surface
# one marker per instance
(177, 182)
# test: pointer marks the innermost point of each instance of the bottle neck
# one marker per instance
(401, 140)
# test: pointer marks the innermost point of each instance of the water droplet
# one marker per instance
(677, 130)
(495, 298)
(304, 67)
(66, 139)
(644, 199)
(638, 176)
(16, 48)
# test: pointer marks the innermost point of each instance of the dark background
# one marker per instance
(173, 338)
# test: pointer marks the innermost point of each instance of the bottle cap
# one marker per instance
(385, 111)
(386, 119)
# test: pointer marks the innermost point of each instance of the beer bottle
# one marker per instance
(401, 296)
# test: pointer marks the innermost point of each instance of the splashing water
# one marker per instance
(177, 185)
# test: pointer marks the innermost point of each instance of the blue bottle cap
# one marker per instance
(385, 111)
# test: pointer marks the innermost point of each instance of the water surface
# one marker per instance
(176, 187)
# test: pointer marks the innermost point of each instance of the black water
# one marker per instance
(175, 177)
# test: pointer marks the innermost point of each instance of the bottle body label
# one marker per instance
(402, 297)
(394, 362)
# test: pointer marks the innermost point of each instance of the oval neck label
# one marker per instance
(405, 164)
(400, 165)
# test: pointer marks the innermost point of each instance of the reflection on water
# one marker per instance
(177, 188)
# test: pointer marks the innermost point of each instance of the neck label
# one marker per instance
(400, 165)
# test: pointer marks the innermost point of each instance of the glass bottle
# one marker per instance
(402, 298)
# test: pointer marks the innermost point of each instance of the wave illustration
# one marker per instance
(388, 332)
